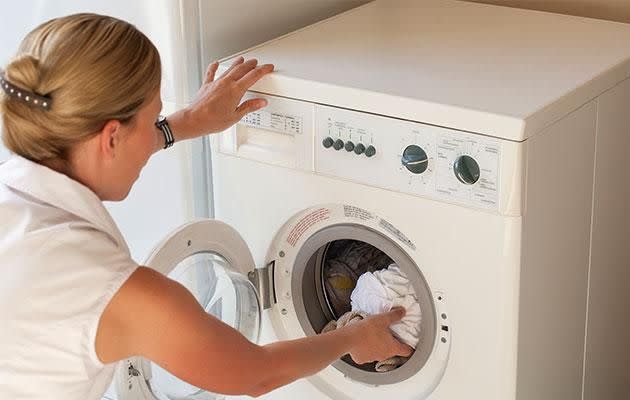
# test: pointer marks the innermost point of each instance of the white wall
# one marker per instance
(4, 153)
(615, 10)
(231, 26)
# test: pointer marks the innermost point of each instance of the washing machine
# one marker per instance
(479, 148)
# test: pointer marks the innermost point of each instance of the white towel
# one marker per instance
(382, 290)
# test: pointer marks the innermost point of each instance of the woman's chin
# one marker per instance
(117, 195)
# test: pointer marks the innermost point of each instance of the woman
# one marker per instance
(79, 105)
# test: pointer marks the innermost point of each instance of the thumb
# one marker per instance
(395, 315)
(404, 350)
(251, 105)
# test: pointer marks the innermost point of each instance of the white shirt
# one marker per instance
(62, 259)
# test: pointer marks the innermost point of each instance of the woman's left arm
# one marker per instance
(218, 103)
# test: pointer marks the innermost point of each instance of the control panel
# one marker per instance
(403, 156)
(407, 156)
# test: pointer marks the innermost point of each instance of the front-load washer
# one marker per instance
(480, 148)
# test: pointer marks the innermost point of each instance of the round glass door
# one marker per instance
(223, 293)
(210, 259)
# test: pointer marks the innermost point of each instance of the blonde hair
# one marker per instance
(93, 68)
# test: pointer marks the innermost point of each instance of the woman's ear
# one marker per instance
(110, 138)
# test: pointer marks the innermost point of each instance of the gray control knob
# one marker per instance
(467, 170)
(338, 145)
(415, 159)
(370, 151)
(359, 149)
(349, 146)
(328, 142)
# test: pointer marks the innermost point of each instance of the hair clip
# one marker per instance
(29, 98)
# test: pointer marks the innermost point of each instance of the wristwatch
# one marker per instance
(163, 126)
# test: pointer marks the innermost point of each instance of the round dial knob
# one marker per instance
(466, 170)
(328, 142)
(349, 146)
(370, 151)
(359, 148)
(415, 159)
(338, 145)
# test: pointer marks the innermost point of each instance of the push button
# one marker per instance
(359, 149)
(370, 151)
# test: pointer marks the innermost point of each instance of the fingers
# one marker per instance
(239, 60)
(255, 75)
(404, 350)
(395, 315)
(211, 72)
(250, 105)
(241, 70)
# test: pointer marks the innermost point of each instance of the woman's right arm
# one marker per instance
(157, 318)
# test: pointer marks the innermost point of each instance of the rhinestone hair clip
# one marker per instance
(32, 99)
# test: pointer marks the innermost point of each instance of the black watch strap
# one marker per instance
(162, 125)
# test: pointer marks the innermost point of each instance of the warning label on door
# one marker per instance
(358, 213)
(398, 234)
(315, 217)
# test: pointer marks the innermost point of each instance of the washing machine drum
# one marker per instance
(311, 268)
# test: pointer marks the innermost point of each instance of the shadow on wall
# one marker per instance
(232, 30)
(614, 10)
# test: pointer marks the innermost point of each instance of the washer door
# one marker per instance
(318, 255)
(212, 261)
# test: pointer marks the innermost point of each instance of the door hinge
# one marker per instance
(262, 279)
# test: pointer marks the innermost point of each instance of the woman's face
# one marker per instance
(139, 139)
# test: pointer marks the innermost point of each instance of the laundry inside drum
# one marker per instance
(338, 267)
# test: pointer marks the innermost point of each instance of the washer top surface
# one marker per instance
(499, 71)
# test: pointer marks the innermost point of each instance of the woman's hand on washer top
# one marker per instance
(376, 340)
(218, 103)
